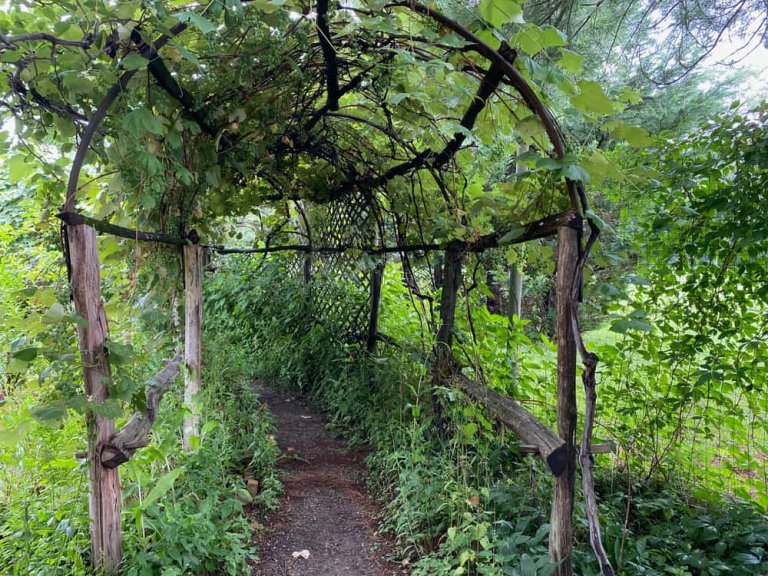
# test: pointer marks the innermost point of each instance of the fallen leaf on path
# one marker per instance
(302, 554)
(306, 417)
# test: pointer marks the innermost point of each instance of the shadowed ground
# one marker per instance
(324, 509)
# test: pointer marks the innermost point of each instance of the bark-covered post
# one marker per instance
(103, 483)
(377, 277)
(443, 366)
(451, 281)
(561, 537)
(193, 314)
(515, 276)
(515, 293)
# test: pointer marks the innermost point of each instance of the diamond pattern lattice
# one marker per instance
(341, 278)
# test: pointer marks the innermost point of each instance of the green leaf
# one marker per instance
(135, 62)
(624, 326)
(571, 61)
(599, 222)
(76, 83)
(26, 354)
(592, 99)
(513, 234)
(527, 566)
(18, 168)
(142, 119)
(551, 37)
(50, 413)
(208, 427)
(501, 12)
(44, 374)
(633, 135)
(164, 484)
(746, 559)
(55, 314)
(268, 6)
(575, 172)
(203, 24)
(119, 353)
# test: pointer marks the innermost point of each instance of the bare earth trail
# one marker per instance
(324, 509)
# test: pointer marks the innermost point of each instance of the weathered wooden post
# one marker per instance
(443, 362)
(451, 281)
(377, 277)
(103, 483)
(560, 536)
(193, 321)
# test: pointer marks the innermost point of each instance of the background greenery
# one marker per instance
(675, 294)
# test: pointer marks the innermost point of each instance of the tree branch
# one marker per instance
(329, 53)
(135, 434)
(73, 218)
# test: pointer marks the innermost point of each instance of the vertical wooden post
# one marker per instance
(515, 293)
(193, 320)
(561, 537)
(377, 277)
(103, 483)
(451, 280)
(515, 309)
(515, 277)
(443, 366)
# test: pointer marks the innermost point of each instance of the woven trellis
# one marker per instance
(341, 280)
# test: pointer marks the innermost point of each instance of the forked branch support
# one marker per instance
(135, 434)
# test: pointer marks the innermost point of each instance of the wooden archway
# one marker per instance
(558, 450)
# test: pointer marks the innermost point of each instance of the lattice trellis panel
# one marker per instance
(341, 279)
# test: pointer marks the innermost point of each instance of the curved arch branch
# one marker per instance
(98, 117)
(516, 79)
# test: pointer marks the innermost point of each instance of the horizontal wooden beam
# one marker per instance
(74, 218)
(526, 426)
(541, 228)
(135, 434)
(603, 448)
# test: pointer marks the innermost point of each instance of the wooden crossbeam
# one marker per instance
(75, 218)
(526, 426)
(602, 448)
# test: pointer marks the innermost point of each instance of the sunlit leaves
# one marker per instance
(142, 120)
(571, 61)
(592, 99)
(633, 135)
(533, 39)
(501, 12)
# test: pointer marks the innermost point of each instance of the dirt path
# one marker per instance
(324, 509)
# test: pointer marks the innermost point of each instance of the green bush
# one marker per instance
(463, 501)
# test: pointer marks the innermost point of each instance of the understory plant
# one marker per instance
(459, 498)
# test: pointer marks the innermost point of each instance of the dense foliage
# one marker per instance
(184, 513)
(246, 120)
(470, 503)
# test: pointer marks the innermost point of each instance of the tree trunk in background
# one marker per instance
(377, 277)
(451, 281)
(493, 302)
(443, 366)
(516, 277)
(561, 536)
(515, 308)
(515, 293)
(103, 483)
(193, 320)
